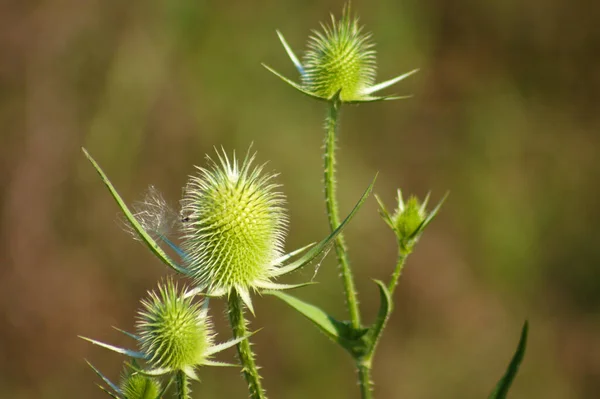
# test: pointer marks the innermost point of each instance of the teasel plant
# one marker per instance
(338, 68)
(227, 241)
(233, 224)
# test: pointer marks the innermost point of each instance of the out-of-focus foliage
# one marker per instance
(505, 116)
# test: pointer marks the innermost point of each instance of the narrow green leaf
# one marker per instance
(331, 327)
(385, 310)
(373, 99)
(291, 54)
(109, 393)
(388, 83)
(320, 247)
(505, 382)
(144, 236)
(123, 351)
(294, 84)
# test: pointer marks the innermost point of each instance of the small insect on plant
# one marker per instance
(228, 239)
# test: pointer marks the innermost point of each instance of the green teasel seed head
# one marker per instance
(339, 64)
(174, 332)
(138, 386)
(409, 220)
(235, 225)
(340, 58)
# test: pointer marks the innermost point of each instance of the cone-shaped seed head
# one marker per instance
(235, 225)
(138, 386)
(175, 332)
(339, 58)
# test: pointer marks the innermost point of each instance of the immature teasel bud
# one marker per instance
(174, 331)
(135, 385)
(235, 226)
(409, 219)
(339, 64)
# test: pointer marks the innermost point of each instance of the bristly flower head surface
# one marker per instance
(235, 226)
(339, 64)
(340, 58)
(174, 331)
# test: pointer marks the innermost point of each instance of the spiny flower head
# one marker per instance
(409, 219)
(340, 58)
(235, 226)
(339, 64)
(175, 332)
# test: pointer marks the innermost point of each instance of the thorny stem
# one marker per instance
(364, 379)
(183, 386)
(341, 251)
(238, 326)
(397, 271)
(331, 124)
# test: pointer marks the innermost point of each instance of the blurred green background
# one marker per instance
(505, 116)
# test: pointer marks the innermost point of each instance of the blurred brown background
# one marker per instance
(505, 116)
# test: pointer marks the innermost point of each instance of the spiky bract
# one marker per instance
(235, 225)
(341, 57)
(138, 386)
(175, 332)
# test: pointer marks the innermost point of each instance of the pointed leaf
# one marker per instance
(293, 84)
(290, 255)
(109, 393)
(144, 236)
(385, 215)
(505, 382)
(189, 371)
(317, 249)
(130, 335)
(246, 298)
(388, 83)
(219, 364)
(105, 379)
(371, 99)
(291, 54)
(385, 310)
(153, 372)
(429, 218)
(333, 328)
(174, 247)
(269, 285)
(123, 351)
(226, 345)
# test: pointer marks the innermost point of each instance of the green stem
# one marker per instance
(364, 379)
(333, 213)
(238, 325)
(183, 386)
(397, 271)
